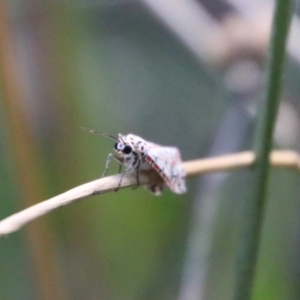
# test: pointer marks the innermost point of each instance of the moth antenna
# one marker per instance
(121, 138)
(98, 132)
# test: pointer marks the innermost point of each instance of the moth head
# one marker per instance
(121, 147)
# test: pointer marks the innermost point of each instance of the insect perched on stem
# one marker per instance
(137, 154)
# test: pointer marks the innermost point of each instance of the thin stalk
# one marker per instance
(267, 112)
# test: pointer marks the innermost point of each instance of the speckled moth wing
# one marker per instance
(167, 162)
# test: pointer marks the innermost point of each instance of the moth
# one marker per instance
(135, 153)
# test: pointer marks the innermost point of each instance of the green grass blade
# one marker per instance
(267, 112)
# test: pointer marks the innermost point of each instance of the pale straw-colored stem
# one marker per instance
(279, 158)
(283, 159)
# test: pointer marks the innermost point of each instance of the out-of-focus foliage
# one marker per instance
(114, 67)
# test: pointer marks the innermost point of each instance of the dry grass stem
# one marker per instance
(283, 159)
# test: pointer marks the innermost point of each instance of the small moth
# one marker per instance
(135, 153)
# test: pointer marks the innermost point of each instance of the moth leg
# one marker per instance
(120, 168)
(137, 175)
(123, 174)
(108, 160)
(121, 179)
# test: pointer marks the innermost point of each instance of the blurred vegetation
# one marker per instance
(113, 66)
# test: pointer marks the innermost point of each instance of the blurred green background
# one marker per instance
(115, 67)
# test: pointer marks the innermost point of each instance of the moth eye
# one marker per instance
(127, 149)
(116, 146)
